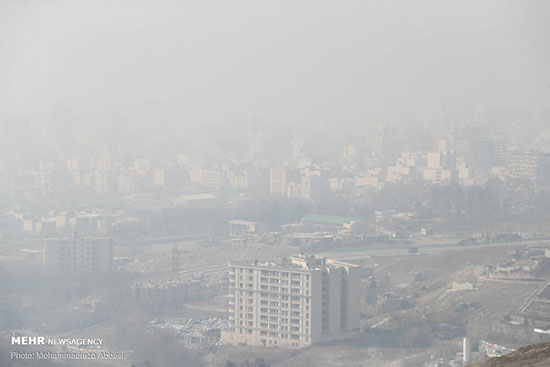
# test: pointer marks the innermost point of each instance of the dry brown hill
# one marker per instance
(537, 355)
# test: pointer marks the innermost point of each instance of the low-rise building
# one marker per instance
(242, 228)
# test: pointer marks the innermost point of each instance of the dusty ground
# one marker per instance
(531, 356)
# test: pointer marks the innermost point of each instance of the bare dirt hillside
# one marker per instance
(537, 355)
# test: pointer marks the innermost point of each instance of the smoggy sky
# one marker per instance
(346, 63)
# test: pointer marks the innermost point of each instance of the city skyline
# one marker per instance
(274, 184)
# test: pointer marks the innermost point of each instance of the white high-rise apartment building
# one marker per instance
(78, 254)
(294, 303)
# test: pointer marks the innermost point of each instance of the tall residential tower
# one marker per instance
(293, 303)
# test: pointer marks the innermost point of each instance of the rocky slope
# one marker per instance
(537, 355)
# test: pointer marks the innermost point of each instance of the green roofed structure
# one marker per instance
(328, 220)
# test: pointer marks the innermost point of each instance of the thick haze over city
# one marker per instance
(274, 184)
(317, 63)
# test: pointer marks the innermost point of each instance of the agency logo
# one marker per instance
(40, 340)
(28, 340)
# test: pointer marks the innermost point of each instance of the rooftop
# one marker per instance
(326, 219)
(298, 262)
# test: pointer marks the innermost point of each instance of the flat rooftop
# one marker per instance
(298, 262)
(326, 219)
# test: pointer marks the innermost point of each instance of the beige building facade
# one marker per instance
(277, 182)
(294, 303)
(77, 254)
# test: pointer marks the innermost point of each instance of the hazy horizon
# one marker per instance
(244, 63)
